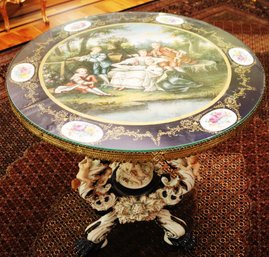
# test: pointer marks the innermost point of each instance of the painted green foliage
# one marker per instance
(175, 65)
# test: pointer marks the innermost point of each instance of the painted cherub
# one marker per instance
(188, 163)
(82, 82)
(174, 58)
(93, 174)
(134, 174)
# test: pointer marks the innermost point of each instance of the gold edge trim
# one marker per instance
(221, 52)
(120, 156)
(230, 102)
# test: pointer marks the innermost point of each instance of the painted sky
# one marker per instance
(135, 33)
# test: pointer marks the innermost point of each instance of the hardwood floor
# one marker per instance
(26, 21)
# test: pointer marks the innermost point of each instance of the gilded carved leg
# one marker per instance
(3, 10)
(43, 11)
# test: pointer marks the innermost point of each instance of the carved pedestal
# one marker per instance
(131, 192)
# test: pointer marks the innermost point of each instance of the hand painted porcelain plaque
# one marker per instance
(139, 94)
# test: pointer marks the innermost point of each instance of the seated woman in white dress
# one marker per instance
(139, 72)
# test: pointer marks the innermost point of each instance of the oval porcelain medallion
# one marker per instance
(22, 72)
(218, 120)
(77, 26)
(81, 131)
(169, 19)
(241, 56)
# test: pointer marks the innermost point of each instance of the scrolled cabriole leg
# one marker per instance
(135, 192)
(43, 4)
(95, 235)
(176, 232)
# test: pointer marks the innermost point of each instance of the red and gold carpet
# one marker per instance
(41, 216)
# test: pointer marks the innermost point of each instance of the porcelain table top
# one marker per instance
(135, 85)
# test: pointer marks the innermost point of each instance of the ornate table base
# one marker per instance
(130, 192)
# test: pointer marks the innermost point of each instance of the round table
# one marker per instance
(139, 94)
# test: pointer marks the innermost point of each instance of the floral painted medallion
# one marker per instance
(22, 72)
(218, 120)
(82, 131)
(241, 56)
(135, 86)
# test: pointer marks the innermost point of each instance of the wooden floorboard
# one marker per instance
(26, 22)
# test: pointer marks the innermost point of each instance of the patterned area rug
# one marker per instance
(41, 216)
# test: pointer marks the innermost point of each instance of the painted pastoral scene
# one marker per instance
(134, 73)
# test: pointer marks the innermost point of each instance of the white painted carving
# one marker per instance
(100, 231)
(173, 228)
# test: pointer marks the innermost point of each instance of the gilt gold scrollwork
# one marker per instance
(115, 132)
